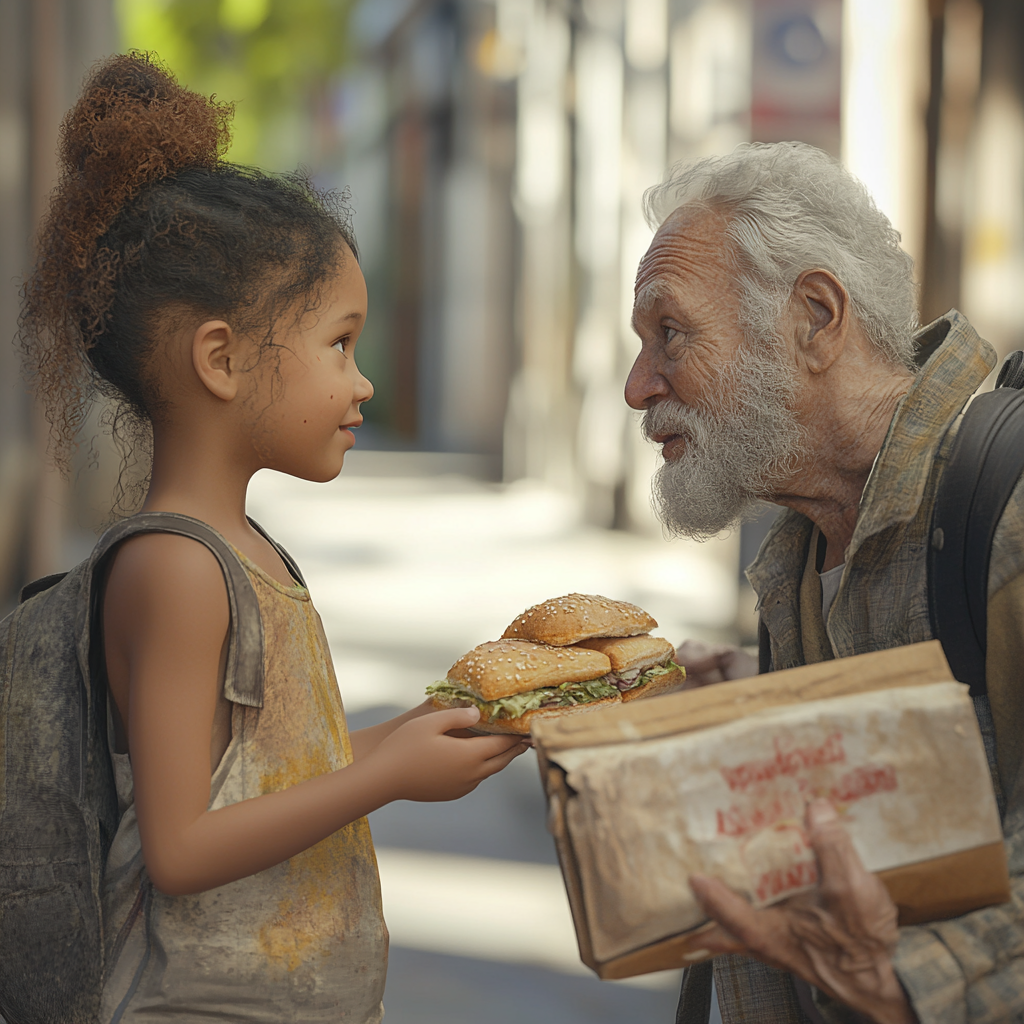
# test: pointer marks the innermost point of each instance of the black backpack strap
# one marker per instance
(290, 564)
(695, 994)
(244, 673)
(985, 463)
(764, 648)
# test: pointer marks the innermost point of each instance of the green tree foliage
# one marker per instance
(273, 58)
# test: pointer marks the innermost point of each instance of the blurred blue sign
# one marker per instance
(796, 71)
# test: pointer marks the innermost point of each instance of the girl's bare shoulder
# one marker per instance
(161, 572)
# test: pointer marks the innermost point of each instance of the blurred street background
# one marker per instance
(496, 152)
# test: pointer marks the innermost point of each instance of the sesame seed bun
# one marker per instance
(503, 668)
(630, 652)
(566, 620)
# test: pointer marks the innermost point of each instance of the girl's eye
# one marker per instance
(342, 344)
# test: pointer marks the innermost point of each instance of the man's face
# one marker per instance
(717, 397)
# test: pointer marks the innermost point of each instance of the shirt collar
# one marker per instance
(958, 361)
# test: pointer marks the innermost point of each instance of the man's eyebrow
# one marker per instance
(645, 301)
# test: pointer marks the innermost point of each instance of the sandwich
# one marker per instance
(513, 681)
(566, 655)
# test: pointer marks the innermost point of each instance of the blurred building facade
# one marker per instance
(497, 152)
(46, 46)
(504, 148)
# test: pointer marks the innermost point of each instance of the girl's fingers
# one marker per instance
(495, 764)
(454, 718)
(487, 747)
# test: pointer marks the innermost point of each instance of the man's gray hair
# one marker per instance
(791, 208)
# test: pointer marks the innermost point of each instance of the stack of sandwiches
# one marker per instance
(565, 655)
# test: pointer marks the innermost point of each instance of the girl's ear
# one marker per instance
(217, 358)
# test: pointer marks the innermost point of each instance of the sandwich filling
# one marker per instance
(564, 696)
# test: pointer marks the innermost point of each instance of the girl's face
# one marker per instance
(307, 404)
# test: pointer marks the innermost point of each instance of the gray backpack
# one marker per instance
(58, 805)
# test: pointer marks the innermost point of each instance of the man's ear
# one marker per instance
(216, 358)
(822, 313)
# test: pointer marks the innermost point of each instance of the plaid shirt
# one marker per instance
(970, 968)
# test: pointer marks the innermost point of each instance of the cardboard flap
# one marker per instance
(915, 665)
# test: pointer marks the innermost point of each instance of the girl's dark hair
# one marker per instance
(148, 222)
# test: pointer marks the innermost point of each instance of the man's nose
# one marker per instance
(644, 382)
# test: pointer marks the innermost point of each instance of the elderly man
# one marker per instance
(779, 363)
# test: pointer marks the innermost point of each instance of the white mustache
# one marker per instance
(738, 448)
(670, 416)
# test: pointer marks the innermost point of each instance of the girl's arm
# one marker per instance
(165, 621)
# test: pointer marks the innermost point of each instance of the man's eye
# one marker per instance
(674, 341)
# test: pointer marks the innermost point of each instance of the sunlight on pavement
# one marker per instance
(487, 909)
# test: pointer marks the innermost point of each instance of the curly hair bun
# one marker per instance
(147, 216)
(132, 125)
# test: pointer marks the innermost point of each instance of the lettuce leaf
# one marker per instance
(564, 696)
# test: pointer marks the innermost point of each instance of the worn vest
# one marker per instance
(302, 941)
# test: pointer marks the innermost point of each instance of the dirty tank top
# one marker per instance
(303, 941)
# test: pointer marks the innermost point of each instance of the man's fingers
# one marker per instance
(728, 908)
(839, 865)
(717, 941)
(856, 898)
(738, 664)
(696, 656)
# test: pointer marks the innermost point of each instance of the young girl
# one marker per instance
(219, 308)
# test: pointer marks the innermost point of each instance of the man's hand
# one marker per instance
(838, 937)
(714, 663)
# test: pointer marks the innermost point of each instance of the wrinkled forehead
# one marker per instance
(689, 247)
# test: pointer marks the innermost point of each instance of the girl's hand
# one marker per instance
(366, 740)
(421, 761)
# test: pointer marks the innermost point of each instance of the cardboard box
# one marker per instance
(716, 779)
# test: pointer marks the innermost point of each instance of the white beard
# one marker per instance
(739, 446)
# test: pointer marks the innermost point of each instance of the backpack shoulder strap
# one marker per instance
(290, 564)
(985, 463)
(244, 672)
(764, 648)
